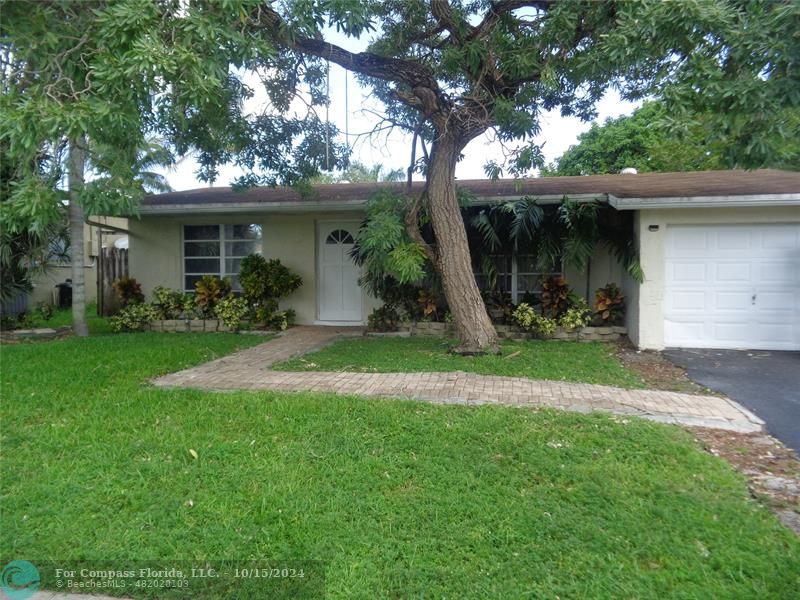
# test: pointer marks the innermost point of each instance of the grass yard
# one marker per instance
(591, 362)
(63, 316)
(396, 499)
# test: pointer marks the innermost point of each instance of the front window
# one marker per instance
(217, 250)
(516, 275)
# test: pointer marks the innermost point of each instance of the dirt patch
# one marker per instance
(772, 469)
(658, 372)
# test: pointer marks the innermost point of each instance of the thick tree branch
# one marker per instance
(442, 12)
(498, 9)
(413, 155)
(409, 73)
(412, 227)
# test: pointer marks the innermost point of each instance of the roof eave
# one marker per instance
(305, 206)
(705, 201)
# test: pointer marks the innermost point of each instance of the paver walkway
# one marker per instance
(249, 370)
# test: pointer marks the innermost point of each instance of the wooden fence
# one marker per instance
(113, 264)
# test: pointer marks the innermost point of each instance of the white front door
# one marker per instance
(733, 286)
(339, 295)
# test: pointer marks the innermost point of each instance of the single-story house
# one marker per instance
(720, 250)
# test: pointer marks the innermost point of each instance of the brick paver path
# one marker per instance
(249, 370)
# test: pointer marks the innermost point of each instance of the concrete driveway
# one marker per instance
(766, 382)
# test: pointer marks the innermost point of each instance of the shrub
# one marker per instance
(264, 282)
(190, 309)
(208, 293)
(555, 297)
(577, 316)
(529, 320)
(428, 302)
(384, 318)
(134, 317)
(266, 279)
(499, 306)
(232, 311)
(171, 304)
(129, 291)
(609, 305)
(402, 296)
(281, 319)
(43, 311)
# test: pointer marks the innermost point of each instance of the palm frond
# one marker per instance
(526, 219)
(487, 228)
(489, 268)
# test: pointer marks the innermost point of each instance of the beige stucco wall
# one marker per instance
(649, 328)
(44, 283)
(604, 269)
(155, 256)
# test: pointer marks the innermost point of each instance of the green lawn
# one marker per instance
(396, 499)
(63, 316)
(591, 362)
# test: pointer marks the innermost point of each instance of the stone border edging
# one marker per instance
(40, 333)
(511, 332)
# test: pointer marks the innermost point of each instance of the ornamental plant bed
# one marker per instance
(587, 334)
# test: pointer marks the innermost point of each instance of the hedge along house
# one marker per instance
(720, 250)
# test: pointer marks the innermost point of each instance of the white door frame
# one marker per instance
(353, 227)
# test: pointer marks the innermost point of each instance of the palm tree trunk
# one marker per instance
(476, 333)
(76, 166)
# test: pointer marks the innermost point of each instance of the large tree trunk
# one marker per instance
(76, 167)
(476, 333)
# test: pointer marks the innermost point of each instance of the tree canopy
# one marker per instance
(450, 71)
(643, 141)
(86, 84)
(357, 172)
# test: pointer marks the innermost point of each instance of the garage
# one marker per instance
(732, 286)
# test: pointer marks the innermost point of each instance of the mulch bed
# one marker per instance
(658, 372)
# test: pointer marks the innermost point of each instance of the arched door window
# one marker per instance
(339, 236)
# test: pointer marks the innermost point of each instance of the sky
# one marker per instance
(350, 109)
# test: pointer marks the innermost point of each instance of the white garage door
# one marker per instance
(733, 286)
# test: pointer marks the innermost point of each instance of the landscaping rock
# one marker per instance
(779, 484)
(512, 332)
(388, 334)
